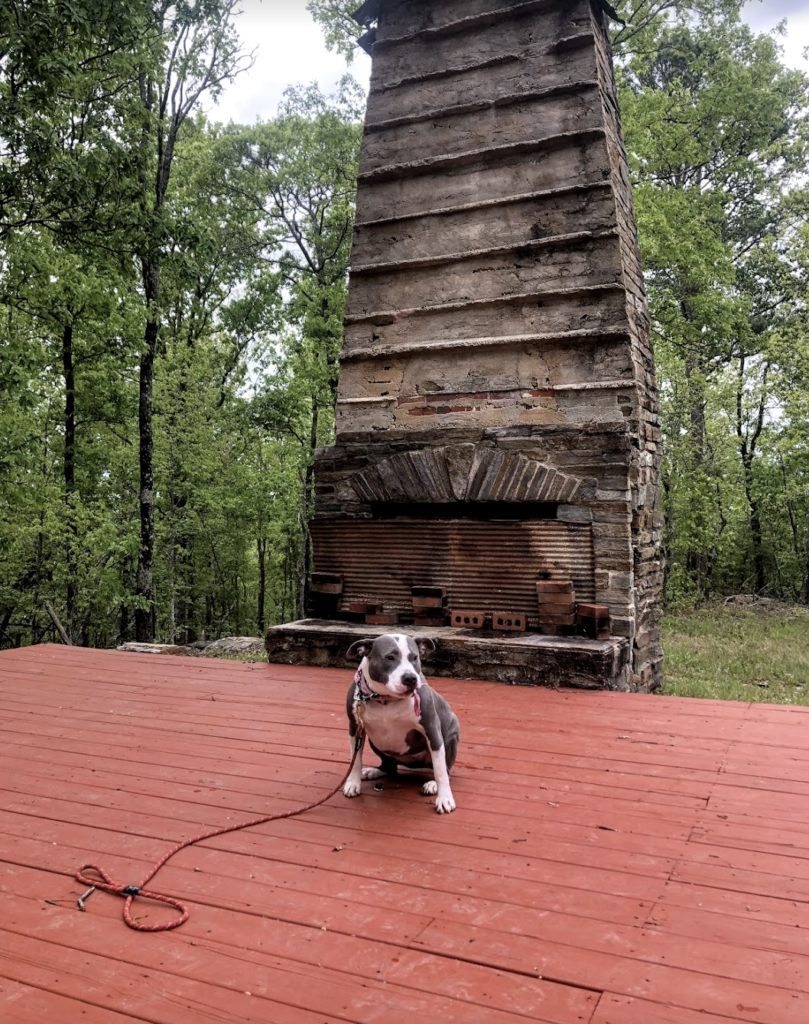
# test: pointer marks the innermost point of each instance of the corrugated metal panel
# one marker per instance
(485, 565)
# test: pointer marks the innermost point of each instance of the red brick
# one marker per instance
(513, 622)
(466, 619)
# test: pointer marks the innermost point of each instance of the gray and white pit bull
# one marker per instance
(406, 722)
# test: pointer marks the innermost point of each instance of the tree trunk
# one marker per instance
(123, 625)
(756, 532)
(696, 559)
(172, 590)
(286, 582)
(144, 582)
(182, 572)
(261, 546)
(805, 585)
(747, 449)
(187, 603)
(668, 534)
(69, 470)
(306, 507)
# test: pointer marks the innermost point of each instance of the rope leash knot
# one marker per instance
(129, 892)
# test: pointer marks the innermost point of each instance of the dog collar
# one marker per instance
(363, 694)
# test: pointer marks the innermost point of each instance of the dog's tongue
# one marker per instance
(417, 702)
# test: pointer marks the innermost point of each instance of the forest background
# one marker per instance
(172, 293)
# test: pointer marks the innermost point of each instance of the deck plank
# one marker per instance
(23, 1004)
(614, 859)
(626, 1010)
(336, 966)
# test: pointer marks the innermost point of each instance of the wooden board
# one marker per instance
(614, 859)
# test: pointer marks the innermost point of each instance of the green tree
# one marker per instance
(68, 313)
(220, 300)
(301, 171)
(64, 106)
(196, 51)
(716, 130)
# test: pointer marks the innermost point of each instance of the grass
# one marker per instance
(757, 652)
(250, 659)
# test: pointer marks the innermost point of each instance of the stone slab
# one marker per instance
(527, 659)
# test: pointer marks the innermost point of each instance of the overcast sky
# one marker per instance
(289, 50)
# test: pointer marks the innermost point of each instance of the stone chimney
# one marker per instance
(497, 413)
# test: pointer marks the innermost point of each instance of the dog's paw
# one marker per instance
(429, 788)
(372, 773)
(352, 788)
(445, 803)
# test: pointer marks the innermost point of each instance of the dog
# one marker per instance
(406, 722)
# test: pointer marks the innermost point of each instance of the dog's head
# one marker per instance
(392, 662)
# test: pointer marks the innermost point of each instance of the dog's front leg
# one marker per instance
(444, 801)
(353, 784)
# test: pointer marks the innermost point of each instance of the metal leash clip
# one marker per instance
(85, 896)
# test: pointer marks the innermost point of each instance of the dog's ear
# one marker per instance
(424, 644)
(358, 650)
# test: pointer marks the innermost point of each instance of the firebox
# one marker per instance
(494, 479)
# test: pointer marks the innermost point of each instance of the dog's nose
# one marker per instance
(410, 681)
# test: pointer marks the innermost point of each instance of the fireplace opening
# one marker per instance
(486, 511)
(489, 566)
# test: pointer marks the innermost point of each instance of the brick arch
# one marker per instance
(464, 472)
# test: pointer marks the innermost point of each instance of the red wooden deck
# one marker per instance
(614, 859)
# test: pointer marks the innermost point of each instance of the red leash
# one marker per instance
(131, 891)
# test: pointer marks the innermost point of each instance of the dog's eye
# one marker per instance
(390, 657)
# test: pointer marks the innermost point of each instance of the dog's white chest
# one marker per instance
(388, 725)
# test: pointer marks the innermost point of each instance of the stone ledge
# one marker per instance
(527, 659)
(227, 646)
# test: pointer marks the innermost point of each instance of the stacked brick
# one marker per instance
(557, 607)
(429, 605)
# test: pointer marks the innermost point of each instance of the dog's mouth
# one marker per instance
(397, 689)
(407, 689)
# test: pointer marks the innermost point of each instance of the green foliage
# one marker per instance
(340, 30)
(64, 100)
(59, 531)
(641, 16)
(717, 132)
(299, 176)
(250, 229)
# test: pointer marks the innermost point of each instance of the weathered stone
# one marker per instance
(459, 465)
(135, 647)
(538, 270)
(523, 660)
(519, 317)
(497, 355)
(486, 179)
(505, 123)
(233, 645)
(513, 38)
(495, 226)
(461, 91)
(403, 19)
